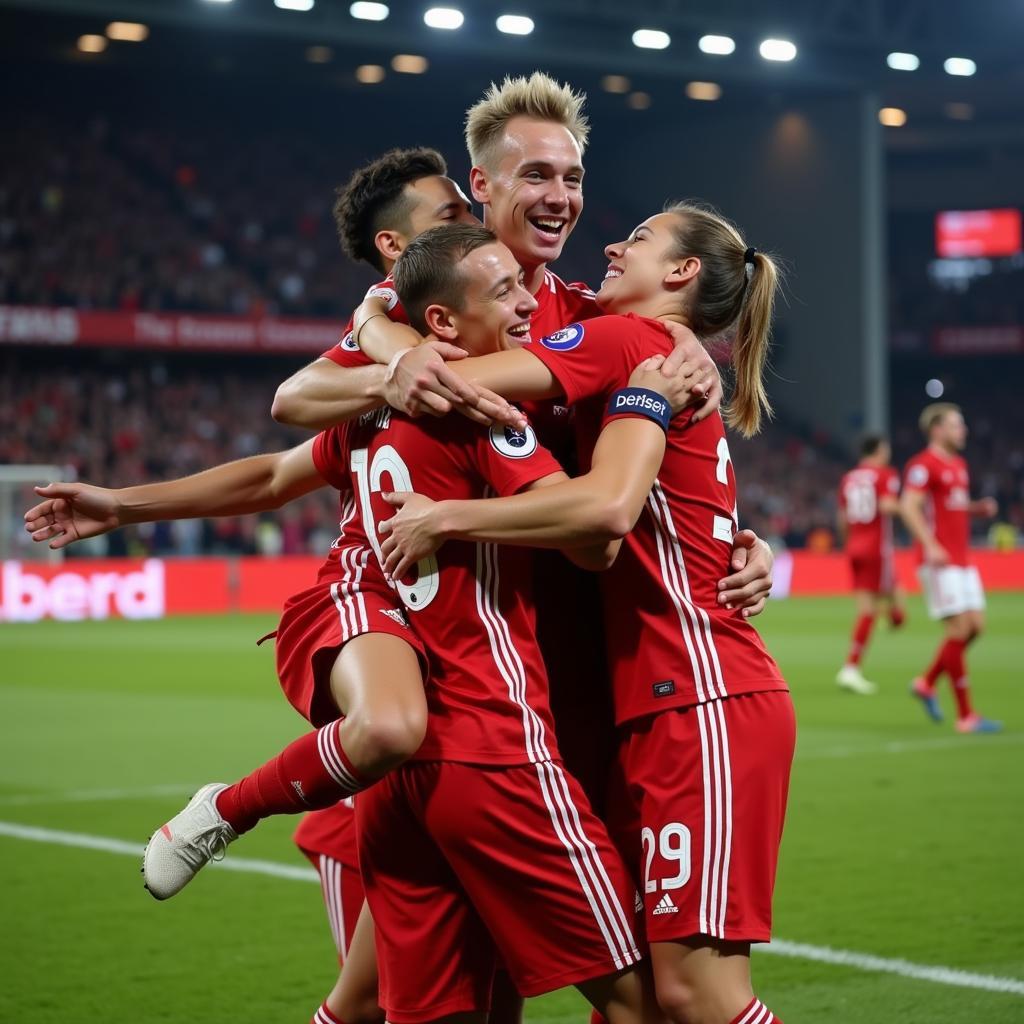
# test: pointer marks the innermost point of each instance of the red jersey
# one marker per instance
(669, 642)
(487, 692)
(868, 531)
(944, 480)
(347, 352)
(331, 831)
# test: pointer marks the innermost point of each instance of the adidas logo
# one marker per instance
(395, 615)
(638, 905)
(297, 786)
(665, 906)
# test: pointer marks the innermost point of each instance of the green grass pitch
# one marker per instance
(903, 839)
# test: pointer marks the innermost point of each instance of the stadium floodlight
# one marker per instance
(294, 5)
(515, 24)
(903, 61)
(219, 1)
(319, 54)
(704, 91)
(962, 66)
(639, 100)
(127, 31)
(370, 74)
(892, 117)
(934, 388)
(409, 63)
(651, 39)
(721, 45)
(449, 18)
(777, 49)
(365, 11)
(92, 44)
(615, 83)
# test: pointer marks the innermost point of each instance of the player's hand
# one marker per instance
(648, 375)
(936, 555)
(988, 507)
(750, 584)
(691, 361)
(72, 512)
(410, 535)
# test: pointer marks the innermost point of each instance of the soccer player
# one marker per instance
(482, 845)
(868, 499)
(937, 507)
(706, 724)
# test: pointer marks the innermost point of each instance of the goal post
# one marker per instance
(16, 497)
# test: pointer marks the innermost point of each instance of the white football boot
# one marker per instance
(187, 843)
(850, 678)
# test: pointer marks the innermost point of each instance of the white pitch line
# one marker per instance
(904, 968)
(912, 746)
(107, 845)
(70, 796)
(780, 947)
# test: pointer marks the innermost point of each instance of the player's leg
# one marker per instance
(375, 679)
(710, 785)
(942, 590)
(850, 676)
(354, 998)
(968, 720)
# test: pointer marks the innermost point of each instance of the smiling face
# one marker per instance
(496, 307)
(642, 274)
(532, 189)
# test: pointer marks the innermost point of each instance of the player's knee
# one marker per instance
(680, 1002)
(387, 739)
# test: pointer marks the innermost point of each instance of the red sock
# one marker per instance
(311, 773)
(936, 668)
(956, 666)
(861, 632)
(755, 1012)
(324, 1016)
(897, 616)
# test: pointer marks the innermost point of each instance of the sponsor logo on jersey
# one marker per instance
(665, 906)
(348, 343)
(389, 295)
(565, 339)
(665, 688)
(512, 443)
(395, 614)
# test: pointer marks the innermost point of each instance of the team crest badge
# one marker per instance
(512, 443)
(565, 339)
(348, 343)
(389, 295)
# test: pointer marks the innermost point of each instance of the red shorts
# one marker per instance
(697, 802)
(315, 625)
(342, 887)
(875, 574)
(465, 864)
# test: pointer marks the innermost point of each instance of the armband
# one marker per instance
(641, 402)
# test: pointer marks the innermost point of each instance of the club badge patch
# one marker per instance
(512, 443)
(565, 339)
(389, 295)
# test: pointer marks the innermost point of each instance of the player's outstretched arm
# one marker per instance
(75, 511)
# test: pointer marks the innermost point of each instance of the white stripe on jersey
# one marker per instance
(710, 683)
(586, 862)
(717, 778)
(503, 650)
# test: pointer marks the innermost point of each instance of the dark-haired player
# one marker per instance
(868, 500)
(937, 507)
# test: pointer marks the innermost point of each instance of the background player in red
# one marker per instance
(705, 721)
(937, 507)
(868, 499)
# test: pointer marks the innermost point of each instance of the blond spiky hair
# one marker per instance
(539, 97)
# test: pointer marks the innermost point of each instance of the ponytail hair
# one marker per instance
(725, 296)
